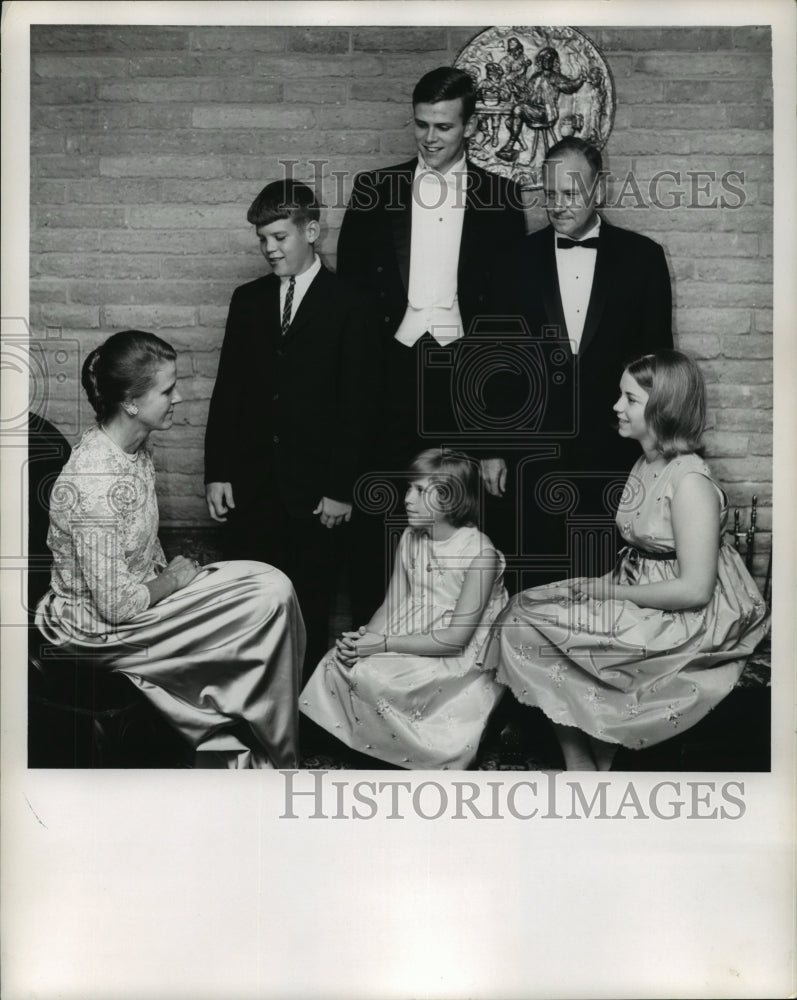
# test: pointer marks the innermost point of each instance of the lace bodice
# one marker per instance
(104, 533)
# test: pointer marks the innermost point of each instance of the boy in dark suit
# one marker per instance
(292, 400)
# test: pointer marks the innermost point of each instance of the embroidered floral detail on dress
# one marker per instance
(557, 671)
(104, 532)
(672, 715)
(594, 695)
(526, 650)
(631, 710)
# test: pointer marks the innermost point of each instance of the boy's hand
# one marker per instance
(493, 472)
(333, 512)
(220, 500)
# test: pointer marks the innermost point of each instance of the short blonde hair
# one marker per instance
(457, 477)
(676, 408)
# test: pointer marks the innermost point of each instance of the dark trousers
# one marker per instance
(556, 520)
(262, 528)
(415, 413)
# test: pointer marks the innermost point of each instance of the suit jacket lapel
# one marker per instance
(601, 283)
(401, 218)
(469, 243)
(549, 281)
(311, 303)
(271, 309)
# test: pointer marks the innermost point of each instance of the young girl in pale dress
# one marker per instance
(637, 656)
(407, 688)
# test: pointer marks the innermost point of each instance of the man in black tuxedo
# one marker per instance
(418, 238)
(593, 297)
(294, 393)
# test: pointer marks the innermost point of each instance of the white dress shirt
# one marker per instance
(575, 269)
(438, 212)
(303, 282)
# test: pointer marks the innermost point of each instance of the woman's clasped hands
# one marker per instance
(181, 571)
(352, 646)
(600, 588)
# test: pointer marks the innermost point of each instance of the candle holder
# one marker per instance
(748, 536)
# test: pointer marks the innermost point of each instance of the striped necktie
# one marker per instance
(286, 311)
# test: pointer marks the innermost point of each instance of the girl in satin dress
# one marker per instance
(408, 687)
(218, 648)
(643, 653)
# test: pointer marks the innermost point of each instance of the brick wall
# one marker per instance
(148, 143)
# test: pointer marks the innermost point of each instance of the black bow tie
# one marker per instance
(563, 243)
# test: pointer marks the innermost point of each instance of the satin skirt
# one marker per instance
(221, 659)
(624, 673)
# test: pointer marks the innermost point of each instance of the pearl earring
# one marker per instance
(131, 408)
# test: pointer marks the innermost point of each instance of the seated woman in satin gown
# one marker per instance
(640, 655)
(218, 649)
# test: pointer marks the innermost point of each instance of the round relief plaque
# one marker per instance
(534, 86)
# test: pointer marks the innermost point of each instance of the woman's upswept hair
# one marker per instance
(676, 408)
(457, 477)
(122, 368)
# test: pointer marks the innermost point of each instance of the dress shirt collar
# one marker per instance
(304, 279)
(460, 168)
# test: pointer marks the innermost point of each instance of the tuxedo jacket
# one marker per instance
(629, 314)
(376, 236)
(291, 411)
